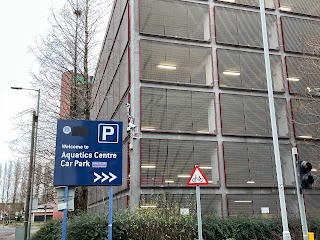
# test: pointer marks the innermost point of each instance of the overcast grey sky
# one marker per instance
(20, 23)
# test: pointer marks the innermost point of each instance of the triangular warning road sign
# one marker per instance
(197, 177)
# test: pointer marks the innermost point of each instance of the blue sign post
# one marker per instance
(88, 153)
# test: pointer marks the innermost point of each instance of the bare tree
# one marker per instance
(8, 180)
(17, 180)
(4, 182)
(69, 50)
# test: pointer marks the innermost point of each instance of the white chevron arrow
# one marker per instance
(113, 177)
(105, 177)
(97, 177)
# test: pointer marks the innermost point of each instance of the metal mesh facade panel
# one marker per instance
(232, 116)
(312, 203)
(246, 70)
(249, 115)
(309, 7)
(300, 35)
(174, 19)
(243, 28)
(102, 193)
(303, 75)
(292, 206)
(97, 209)
(92, 195)
(120, 203)
(306, 118)
(262, 167)
(189, 64)
(253, 204)
(249, 165)
(255, 3)
(175, 110)
(250, 204)
(236, 164)
(113, 93)
(124, 73)
(153, 161)
(168, 163)
(253, 165)
(256, 113)
(210, 204)
(153, 103)
(112, 66)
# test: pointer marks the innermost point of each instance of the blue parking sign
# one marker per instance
(108, 133)
(88, 153)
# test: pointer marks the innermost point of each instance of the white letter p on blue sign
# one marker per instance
(108, 133)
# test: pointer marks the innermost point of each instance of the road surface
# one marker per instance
(8, 233)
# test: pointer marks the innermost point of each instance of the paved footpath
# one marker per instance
(8, 233)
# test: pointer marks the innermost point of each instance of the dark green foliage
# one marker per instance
(158, 224)
(50, 231)
(241, 228)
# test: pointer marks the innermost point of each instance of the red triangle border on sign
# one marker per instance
(206, 182)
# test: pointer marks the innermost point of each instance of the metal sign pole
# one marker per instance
(110, 213)
(65, 214)
(199, 212)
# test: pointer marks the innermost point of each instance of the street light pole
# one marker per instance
(283, 210)
(33, 150)
(29, 186)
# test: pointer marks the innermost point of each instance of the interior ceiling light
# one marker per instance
(183, 176)
(148, 166)
(202, 132)
(148, 128)
(251, 181)
(285, 8)
(205, 167)
(231, 73)
(306, 136)
(243, 201)
(314, 170)
(231, 1)
(168, 67)
(293, 79)
(169, 181)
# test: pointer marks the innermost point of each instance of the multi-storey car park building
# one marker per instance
(193, 73)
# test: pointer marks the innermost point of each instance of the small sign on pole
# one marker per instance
(197, 178)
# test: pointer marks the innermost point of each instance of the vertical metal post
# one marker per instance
(110, 213)
(34, 161)
(34, 141)
(135, 107)
(302, 210)
(199, 213)
(286, 233)
(65, 214)
(29, 186)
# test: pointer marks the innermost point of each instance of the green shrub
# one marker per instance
(49, 231)
(163, 224)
